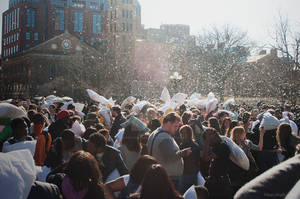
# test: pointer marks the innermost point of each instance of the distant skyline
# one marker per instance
(254, 16)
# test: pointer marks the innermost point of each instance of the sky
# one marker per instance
(254, 16)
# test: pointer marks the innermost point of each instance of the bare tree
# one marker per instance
(222, 48)
(286, 40)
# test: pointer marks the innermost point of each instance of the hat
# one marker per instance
(91, 116)
(62, 114)
(94, 108)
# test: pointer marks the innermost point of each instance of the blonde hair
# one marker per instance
(236, 134)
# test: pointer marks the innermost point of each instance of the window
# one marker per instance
(92, 41)
(111, 15)
(127, 14)
(111, 28)
(127, 27)
(36, 36)
(17, 36)
(8, 27)
(52, 72)
(17, 48)
(96, 23)
(123, 26)
(18, 17)
(78, 22)
(27, 35)
(131, 14)
(14, 19)
(130, 27)
(59, 19)
(31, 13)
(5, 24)
(123, 13)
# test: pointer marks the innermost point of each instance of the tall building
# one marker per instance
(108, 26)
(169, 33)
(29, 22)
(124, 24)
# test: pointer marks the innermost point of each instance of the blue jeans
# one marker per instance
(186, 181)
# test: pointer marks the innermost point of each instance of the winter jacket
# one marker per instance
(274, 183)
(110, 161)
(116, 126)
(163, 147)
(45, 191)
(56, 129)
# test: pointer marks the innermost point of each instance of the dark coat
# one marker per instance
(274, 183)
(116, 126)
(112, 160)
(56, 129)
(45, 191)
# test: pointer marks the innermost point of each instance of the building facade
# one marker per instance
(107, 26)
(30, 22)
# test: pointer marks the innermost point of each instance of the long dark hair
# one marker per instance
(214, 123)
(186, 133)
(140, 167)
(131, 139)
(223, 127)
(284, 131)
(157, 184)
(83, 170)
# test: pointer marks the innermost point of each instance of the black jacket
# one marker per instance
(112, 160)
(45, 191)
(274, 183)
(116, 126)
(56, 128)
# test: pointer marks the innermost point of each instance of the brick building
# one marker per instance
(106, 27)
(63, 63)
(30, 22)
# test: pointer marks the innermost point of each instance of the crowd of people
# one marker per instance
(130, 151)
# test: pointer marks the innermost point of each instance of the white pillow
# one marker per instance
(190, 193)
(269, 122)
(237, 155)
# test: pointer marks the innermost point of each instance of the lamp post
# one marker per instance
(176, 77)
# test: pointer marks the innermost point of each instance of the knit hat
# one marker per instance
(91, 116)
(62, 114)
